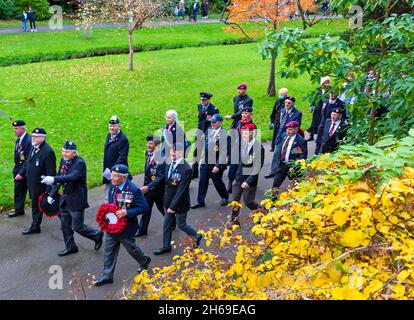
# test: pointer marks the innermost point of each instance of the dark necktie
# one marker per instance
(172, 168)
(65, 169)
(17, 143)
(284, 150)
(115, 191)
(332, 130)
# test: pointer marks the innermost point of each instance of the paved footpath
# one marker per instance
(25, 260)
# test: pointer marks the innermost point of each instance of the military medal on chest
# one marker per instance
(125, 199)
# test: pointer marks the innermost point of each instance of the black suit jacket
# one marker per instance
(42, 163)
(298, 151)
(138, 206)
(215, 151)
(275, 115)
(115, 152)
(23, 151)
(154, 176)
(330, 144)
(203, 122)
(250, 166)
(177, 192)
(239, 102)
(75, 191)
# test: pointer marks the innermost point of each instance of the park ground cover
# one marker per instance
(46, 46)
(75, 98)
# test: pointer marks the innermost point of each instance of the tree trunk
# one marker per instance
(271, 90)
(131, 51)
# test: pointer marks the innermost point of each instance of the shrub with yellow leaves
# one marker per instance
(344, 232)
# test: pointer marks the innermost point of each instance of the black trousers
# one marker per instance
(205, 175)
(73, 221)
(158, 199)
(20, 192)
(36, 213)
(32, 24)
(275, 130)
(316, 119)
(284, 171)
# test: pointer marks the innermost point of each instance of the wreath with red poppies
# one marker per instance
(103, 221)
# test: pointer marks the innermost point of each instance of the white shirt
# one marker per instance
(292, 139)
(22, 137)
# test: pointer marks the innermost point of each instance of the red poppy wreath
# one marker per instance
(108, 221)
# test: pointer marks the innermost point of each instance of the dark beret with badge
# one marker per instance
(292, 124)
(49, 209)
(69, 145)
(120, 168)
(114, 120)
(339, 111)
(290, 98)
(242, 86)
(205, 95)
(156, 139)
(247, 109)
(216, 118)
(18, 123)
(38, 132)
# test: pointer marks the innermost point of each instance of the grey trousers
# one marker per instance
(182, 224)
(112, 244)
(72, 221)
(249, 195)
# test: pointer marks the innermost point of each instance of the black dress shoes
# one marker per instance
(67, 252)
(162, 250)
(15, 214)
(31, 231)
(98, 243)
(144, 266)
(272, 150)
(198, 240)
(230, 187)
(102, 281)
(198, 205)
(269, 175)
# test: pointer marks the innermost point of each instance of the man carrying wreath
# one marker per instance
(128, 197)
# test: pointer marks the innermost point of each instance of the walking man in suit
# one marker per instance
(275, 115)
(41, 162)
(122, 188)
(291, 148)
(251, 160)
(116, 150)
(21, 154)
(154, 182)
(72, 178)
(177, 198)
(214, 162)
(334, 131)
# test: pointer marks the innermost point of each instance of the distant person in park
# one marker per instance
(176, 13)
(177, 199)
(74, 200)
(21, 154)
(204, 9)
(24, 21)
(334, 131)
(251, 160)
(31, 15)
(181, 9)
(41, 162)
(116, 149)
(275, 115)
(196, 7)
(190, 10)
(291, 148)
(322, 94)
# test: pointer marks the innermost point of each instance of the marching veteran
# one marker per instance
(132, 205)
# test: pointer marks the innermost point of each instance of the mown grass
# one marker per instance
(75, 98)
(63, 45)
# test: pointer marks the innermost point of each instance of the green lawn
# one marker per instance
(62, 45)
(75, 98)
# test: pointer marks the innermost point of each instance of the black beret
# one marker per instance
(247, 109)
(39, 131)
(70, 145)
(47, 209)
(205, 95)
(290, 98)
(120, 168)
(156, 139)
(338, 110)
(18, 123)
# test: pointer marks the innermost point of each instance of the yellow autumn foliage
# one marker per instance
(350, 241)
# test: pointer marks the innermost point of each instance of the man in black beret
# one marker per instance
(21, 154)
(72, 178)
(334, 131)
(41, 162)
(205, 111)
(116, 150)
(132, 205)
(154, 182)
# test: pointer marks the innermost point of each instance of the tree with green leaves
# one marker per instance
(382, 45)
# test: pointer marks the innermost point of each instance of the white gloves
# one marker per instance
(48, 180)
(50, 200)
